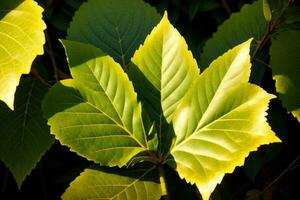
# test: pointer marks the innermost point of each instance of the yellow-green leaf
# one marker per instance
(21, 40)
(96, 113)
(162, 71)
(220, 121)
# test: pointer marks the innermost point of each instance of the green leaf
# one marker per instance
(21, 40)
(24, 136)
(96, 113)
(117, 27)
(163, 71)
(249, 22)
(114, 183)
(167, 65)
(285, 63)
(220, 121)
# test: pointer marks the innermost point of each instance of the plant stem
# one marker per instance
(226, 7)
(35, 73)
(4, 181)
(50, 53)
(163, 185)
(281, 174)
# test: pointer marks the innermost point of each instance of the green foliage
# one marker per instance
(26, 137)
(249, 22)
(96, 113)
(285, 67)
(108, 25)
(133, 103)
(98, 116)
(21, 40)
(113, 183)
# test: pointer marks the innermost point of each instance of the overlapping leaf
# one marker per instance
(220, 121)
(21, 40)
(249, 22)
(96, 113)
(24, 135)
(117, 27)
(285, 63)
(110, 183)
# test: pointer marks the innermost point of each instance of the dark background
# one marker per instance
(273, 171)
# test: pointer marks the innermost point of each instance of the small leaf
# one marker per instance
(21, 40)
(267, 10)
(220, 121)
(114, 183)
(24, 136)
(285, 63)
(96, 113)
(249, 22)
(108, 25)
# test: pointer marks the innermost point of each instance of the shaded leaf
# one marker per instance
(21, 40)
(285, 63)
(113, 183)
(96, 113)
(24, 136)
(220, 121)
(109, 25)
(249, 22)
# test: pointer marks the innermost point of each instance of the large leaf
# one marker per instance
(96, 113)
(21, 40)
(113, 183)
(168, 65)
(249, 22)
(117, 27)
(285, 63)
(24, 135)
(220, 121)
(162, 71)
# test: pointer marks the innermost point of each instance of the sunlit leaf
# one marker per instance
(21, 40)
(96, 113)
(220, 121)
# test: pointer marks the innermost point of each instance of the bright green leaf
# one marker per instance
(220, 121)
(96, 113)
(168, 65)
(249, 22)
(21, 40)
(285, 63)
(24, 136)
(114, 183)
(163, 70)
(117, 27)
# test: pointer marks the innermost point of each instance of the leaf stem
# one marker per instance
(163, 185)
(50, 53)
(35, 73)
(281, 174)
(226, 7)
